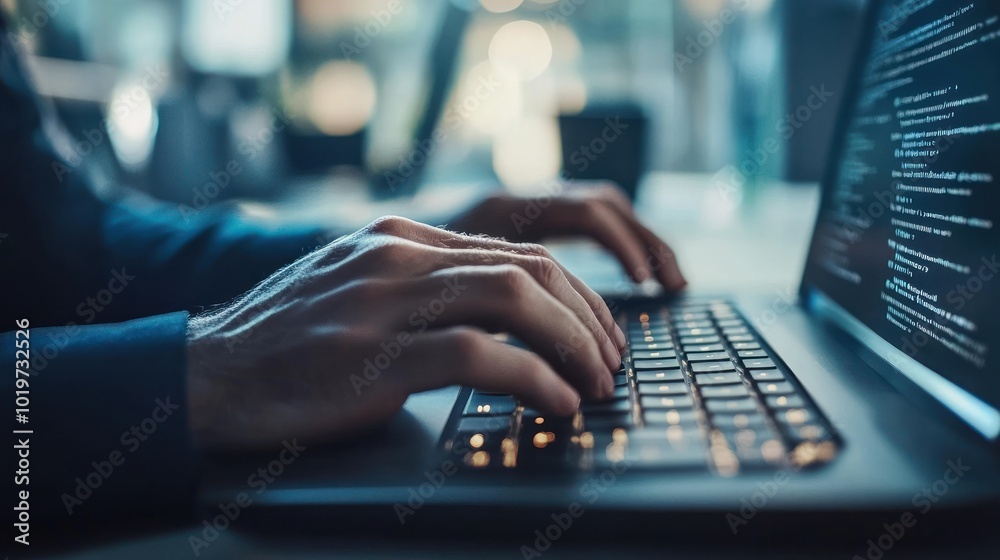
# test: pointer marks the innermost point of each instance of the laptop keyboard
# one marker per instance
(698, 389)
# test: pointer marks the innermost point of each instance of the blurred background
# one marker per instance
(340, 108)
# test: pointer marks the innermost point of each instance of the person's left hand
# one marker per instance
(600, 212)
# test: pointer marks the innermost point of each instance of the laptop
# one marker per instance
(872, 406)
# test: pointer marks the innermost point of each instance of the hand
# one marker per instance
(335, 342)
(600, 212)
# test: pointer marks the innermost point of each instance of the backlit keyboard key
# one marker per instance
(777, 388)
(646, 389)
(707, 356)
(644, 377)
(724, 391)
(718, 378)
(656, 364)
(711, 367)
(759, 363)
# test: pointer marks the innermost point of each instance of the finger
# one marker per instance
(595, 302)
(547, 274)
(597, 220)
(664, 262)
(470, 357)
(503, 298)
(411, 231)
(437, 237)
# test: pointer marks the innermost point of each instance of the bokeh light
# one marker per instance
(522, 47)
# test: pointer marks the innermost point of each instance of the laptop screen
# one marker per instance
(907, 241)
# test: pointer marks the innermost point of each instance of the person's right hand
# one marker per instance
(334, 343)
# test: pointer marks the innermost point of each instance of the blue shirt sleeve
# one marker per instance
(107, 412)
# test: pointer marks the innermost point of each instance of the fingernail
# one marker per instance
(611, 355)
(619, 338)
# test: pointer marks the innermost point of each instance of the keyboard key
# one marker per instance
(617, 394)
(785, 401)
(677, 401)
(673, 389)
(696, 348)
(671, 447)
(606, 407)
(707, 357)
(711, 367)
(673, 417)
(729, 323)
(696, 332)
(713, 339)
(727, 421)
(485, 424)
(670, 363)
(777, 388)
(718, 378)
(752, 354)
(644, 377)
(607, 422)
(745, 345)
(542, 447)
(652, 345)
(649, 331)
(621, 380)
(724, 391)
(731, 405)
(759, 363)
(483, 405)
(741, 338)
(754, 447)
(805, 432)
(766, 375)
(704, 324)
(652, 354)
(636, 339)
(794, 416)
(700, 316)
(728, 331)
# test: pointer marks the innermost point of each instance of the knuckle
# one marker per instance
(512, 279)
(390, 225)
(535, 249)
(467, 345)
(547, 271)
